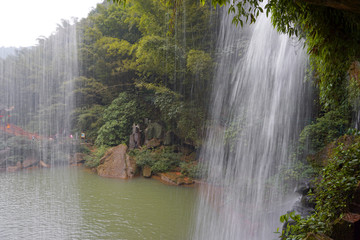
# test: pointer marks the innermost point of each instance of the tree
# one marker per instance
(118, 119)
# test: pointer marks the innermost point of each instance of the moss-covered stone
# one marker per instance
(147, 171)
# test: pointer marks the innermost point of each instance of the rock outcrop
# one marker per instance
(153, 143)
(135, 139)
(147, 171)
(78, 158)
(175, 178)
(116, 163)
(30, 162)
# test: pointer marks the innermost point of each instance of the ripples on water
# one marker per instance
(65, 203)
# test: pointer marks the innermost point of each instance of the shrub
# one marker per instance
(93, 160)
(193, 170)
(118, 119)
(325, 130)
(334, 192)
(159, 161)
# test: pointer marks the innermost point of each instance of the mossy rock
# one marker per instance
(147, 171)
(175, 178)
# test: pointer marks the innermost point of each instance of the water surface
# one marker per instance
(70, 203)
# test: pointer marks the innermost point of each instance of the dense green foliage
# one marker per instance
(93, 160)
(323, 131)
(159, 161)
(334, 191)
(160, 62)
(118, 119)
(159, 59)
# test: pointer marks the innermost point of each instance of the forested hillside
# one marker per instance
(159, 61)
(142, 63)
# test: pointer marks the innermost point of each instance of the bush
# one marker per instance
(325, 130)
(159, 161)
(93, 160)
(118, 119)
(334, 192)
(193, 170)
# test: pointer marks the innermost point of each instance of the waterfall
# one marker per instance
(257, 112)
(36, 85)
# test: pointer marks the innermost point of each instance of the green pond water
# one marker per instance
(70, 203)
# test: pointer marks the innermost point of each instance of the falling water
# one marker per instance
(257, 112)
(36, 100)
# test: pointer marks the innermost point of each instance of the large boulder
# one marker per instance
(116, 163)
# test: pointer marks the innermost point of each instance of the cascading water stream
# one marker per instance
(257, 111)
(37, 85)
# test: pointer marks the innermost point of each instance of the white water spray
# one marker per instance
(258, 110)
(37, 83)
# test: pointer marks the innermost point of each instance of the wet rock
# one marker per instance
(15, 168)
(78, 158)
(131, 142)
(116, 163)
(303, 188)
(187, 149)
(12, 169)
(135, 139)
(30, 162)
(131, 166)
(147, 171)
(347, 228)
(188, 158)
(153, 143)
(175, 178)
(43, 165)
(308, 201)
